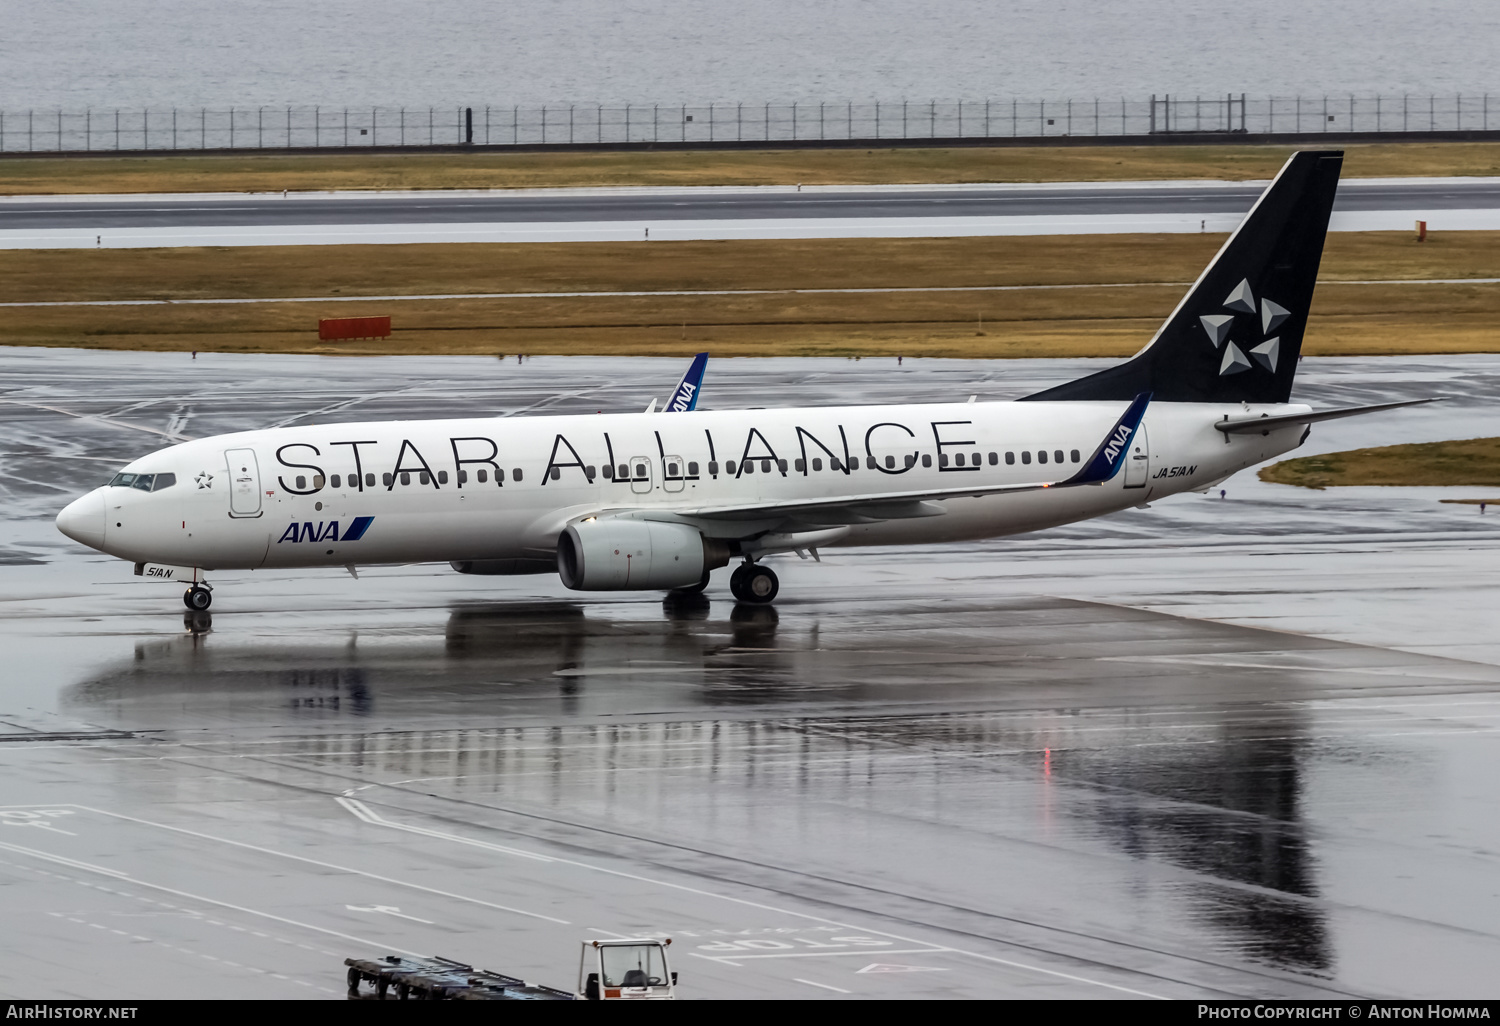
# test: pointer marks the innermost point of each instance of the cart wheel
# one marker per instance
(402, 992)
(381, 986)
(354, 983)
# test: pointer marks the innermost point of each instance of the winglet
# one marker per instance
(684, 397)
(1111, 454)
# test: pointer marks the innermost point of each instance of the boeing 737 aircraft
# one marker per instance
(647, 502)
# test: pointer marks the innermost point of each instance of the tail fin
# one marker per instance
(1237, 334)
(685, 396)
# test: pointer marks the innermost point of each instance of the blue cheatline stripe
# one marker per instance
(357, 528)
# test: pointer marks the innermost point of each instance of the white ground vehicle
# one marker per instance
(628, 968)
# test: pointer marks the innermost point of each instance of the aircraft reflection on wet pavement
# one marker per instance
(1211, 796)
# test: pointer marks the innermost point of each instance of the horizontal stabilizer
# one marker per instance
(1263, 425)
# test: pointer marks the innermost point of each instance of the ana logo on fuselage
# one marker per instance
(325, 532)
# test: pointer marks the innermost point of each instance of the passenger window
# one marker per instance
(386, 479)
(1074, 455)
(334, 480)
(463, 477)
(1025, 457)
(301, 482)
(319, 481)
(369, 480)
(729, 466)
(557, 473)
(624, 472)
(765, 466)
(942, 459)
(423, 478)
(1010, 459)
(640, 472)
(588, 472)
(870, 463)
(671, 470)
(500, 475)
(834, 464)
(164, 481)
(817, 463)
(910, 460)
(890, 463)
(747, 467)
(484, 476)
(781, 466)
(975, 459)
(609, 472)
(442, 477)
(692, 469)
(405, 477)
(958, 459)
(926, 459)
(800, 466)
(1057, 456)
(1041, 456)
(713, 468)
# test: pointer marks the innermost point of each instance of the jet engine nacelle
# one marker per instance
(635, 555)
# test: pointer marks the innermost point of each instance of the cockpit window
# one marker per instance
(145, 482)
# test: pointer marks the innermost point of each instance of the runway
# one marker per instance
(1234, 746)
(561, 215)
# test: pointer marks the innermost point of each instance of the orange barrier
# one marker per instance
(331, 328)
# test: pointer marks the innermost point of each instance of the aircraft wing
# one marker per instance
(1101, 467)
(1264, 424)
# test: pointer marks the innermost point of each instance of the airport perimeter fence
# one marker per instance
(301, 127)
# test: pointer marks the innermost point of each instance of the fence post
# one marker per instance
(88, 130)
(1377, 112)
(739, 122)
(117, 131)
(684, 122)
(903, 119)
(822, 136)
(401, 125)
(30, 139)
(1041, 117)
(655, 132)
(1351, 112)
(1012, 118)
(59, 130)
(877, 119)
(374, 124)
(430, 126)
(289, 128)
(599, 121)
(849, 119)
(486, 125)
(1123, 115)
(544, 124)
(1404, 98)
(1070, 117)
(960, 119)
(145, 129)
(203, 128)
(1096, 116)
(260, 128)
(710, 122)
(627, 123)
(986, 119)
(1431, 112)
(932, 120)
(317, 127)
(794, 121)
(768, 122)
(1458, 112)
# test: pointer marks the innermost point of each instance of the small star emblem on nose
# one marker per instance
(204, 479)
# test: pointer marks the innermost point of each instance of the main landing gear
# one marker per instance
(754, 583)
(198, 598)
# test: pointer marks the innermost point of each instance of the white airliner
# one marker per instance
(651, 502)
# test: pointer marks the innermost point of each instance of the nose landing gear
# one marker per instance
(754, 583)
(199, 597)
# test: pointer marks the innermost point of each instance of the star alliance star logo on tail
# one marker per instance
(1241, 300)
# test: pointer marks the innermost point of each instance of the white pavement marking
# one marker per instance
(369, 816)
(667, 293)
(878, 967)
(744, 956)
(1477, 219)
(390, 910)
(825, 986)
(365, 815)
(311, 862)
(73, 864)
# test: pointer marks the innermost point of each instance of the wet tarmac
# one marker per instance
(1221, 746)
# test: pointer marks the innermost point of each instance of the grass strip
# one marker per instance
(1467, 461)
(874, 166)
(1348, 319)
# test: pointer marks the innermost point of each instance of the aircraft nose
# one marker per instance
(83, 519)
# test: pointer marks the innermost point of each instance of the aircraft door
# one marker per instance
(640, 474)
(1138, 464)
(673, 471)
(244, 483)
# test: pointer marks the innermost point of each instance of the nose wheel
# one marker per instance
(197, 598)
(754, 583)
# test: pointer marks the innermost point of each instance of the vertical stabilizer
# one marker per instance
(1237, 334)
